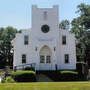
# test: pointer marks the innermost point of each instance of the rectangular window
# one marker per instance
(48, 59)
(42, 59)
(66, 57)
(26, 39)
(63, 40)
(24, 58)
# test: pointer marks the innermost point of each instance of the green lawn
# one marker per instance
(46, 86)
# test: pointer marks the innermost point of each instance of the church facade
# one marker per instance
(45, 45)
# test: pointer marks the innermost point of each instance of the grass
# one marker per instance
(46, 86)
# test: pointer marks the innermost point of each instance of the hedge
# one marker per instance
(72, 72)
(24, 76)
(63, 75)
(69, 76)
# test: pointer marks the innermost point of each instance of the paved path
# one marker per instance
(43, 78)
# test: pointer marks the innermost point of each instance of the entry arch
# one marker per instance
(45, 55)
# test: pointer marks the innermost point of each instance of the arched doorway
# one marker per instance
(45, 58)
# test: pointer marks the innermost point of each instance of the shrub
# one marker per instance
(71, 72)
(69, 76)
(8, 79)
(24, 76)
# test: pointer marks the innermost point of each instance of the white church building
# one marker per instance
(45, 46)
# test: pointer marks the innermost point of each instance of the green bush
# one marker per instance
(8, 79)
(24, 76)
(65, 75)
(69, 76)
(71, 72)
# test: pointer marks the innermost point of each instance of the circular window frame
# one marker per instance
(45, 28)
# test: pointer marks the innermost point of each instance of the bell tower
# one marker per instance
(45, 21)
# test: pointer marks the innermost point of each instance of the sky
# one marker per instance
(17, 13)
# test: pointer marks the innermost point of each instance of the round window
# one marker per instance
(45, 28)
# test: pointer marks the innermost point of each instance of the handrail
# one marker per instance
(23, 66)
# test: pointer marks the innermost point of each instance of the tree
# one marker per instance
(6, 36)
(84, 11)
(80, 26)
(65, 24)
(88, 49)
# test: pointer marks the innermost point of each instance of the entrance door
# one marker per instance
(45, 58)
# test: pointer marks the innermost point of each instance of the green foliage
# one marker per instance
(19, 72)
(6, 36)
(64, 75)
(80, 26)
(64, 24)
(69, 75)
(84, 11)
(8, 79)
(24, 76)
(72, 72)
